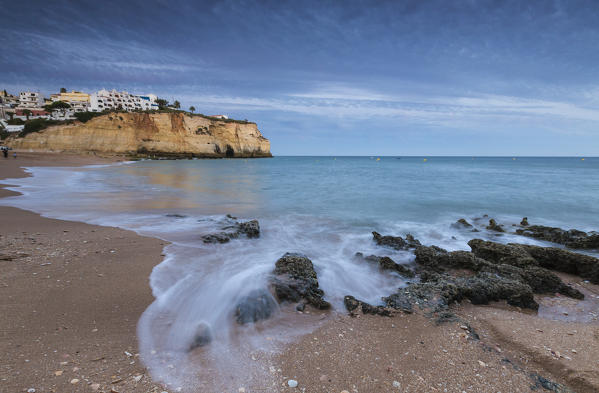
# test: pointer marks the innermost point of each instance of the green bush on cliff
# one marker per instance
(84, 117)
(15, 122)
(37, 125)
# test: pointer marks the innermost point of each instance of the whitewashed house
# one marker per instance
(30, 99)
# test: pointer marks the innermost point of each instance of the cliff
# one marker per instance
(150, 135)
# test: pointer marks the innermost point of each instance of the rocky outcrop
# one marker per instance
(526, 271)
(352, 305)
(572, 238)
(233, 230)
(294, 280)
(386, 263)
(462, 223)
(491, 272)
(524, 255)
(509, 254)
(396, 242)
(493, 226)
(437, 291)
(176, 135)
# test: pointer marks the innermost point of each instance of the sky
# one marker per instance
(333, 77)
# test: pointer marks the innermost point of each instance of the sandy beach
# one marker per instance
(72, 294)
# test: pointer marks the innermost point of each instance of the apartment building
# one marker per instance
(29, 99)
(80, 102)
(115, 100)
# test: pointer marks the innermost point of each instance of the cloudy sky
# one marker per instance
(334, 77)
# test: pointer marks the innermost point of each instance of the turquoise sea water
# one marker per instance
(564, 191)
(324, 207)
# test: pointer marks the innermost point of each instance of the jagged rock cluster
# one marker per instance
(234, 229)
(396, 242)
(570, 238)
(386, 263)
(490, 272)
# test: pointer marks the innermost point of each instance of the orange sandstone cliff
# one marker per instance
(150, 135)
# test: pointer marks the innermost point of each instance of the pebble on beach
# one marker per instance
(292, 383)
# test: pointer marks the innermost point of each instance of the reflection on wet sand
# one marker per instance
(192, 185)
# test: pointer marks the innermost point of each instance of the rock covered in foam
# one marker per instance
(386, 263)
(396, 242)
(494, 226)
(255, 306)
(202, 336)
(233, 229)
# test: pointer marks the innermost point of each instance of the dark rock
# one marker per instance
(547, 385)
(565, 261)
(396, 242)
(175, 215)
(524, 222)
(493, 226)
(412, 242)
(250, 228)
(437, 259)
(524, 255)
(386, 263)
(512, 254)
(233, 230)
(503, 265)
(462, 223)
(437, 291)
(295, 279)
(221, 237)
(445, 317)
(255, 306)
(202, 337)
(572, 238)
(544, 281)
(352, 304)
(300, 306)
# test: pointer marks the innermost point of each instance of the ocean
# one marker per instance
(323, 207)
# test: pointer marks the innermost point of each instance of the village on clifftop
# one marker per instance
(29, 105)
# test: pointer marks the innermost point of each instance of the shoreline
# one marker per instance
(93, 289)
(72, 294)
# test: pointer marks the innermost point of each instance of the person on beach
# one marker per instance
(14, 154)
(5, 152)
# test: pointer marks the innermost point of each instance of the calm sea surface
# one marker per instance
(324, 207)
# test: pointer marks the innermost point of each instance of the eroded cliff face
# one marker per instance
(151, 135)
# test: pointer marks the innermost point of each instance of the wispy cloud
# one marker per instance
(360, 104)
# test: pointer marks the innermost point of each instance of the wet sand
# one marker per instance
(72, 294)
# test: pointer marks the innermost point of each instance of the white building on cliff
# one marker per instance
(30, 99)
(115, 100)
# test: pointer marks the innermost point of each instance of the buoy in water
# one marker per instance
(378, 159)
(424, 160)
